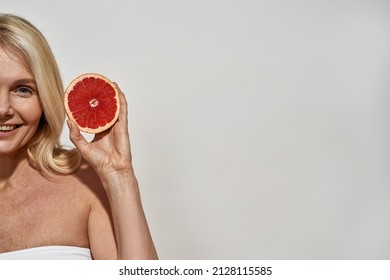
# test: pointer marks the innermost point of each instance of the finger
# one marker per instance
(101, 135)
(122, 137)
(123, 113)
(75, 136)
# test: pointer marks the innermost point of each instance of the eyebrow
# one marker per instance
(26, 81)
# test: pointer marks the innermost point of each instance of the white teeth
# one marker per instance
(7, 127)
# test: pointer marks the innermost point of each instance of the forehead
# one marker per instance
(13, 65)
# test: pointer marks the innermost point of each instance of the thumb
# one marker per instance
(75, 136)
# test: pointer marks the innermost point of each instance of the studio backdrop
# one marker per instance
(259, 129)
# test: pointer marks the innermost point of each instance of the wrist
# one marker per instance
(120, 184)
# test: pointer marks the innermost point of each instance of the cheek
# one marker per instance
(36, 114)
(32, 112)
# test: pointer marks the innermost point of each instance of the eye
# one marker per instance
(24, 91)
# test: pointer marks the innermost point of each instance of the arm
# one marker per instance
(109, 154)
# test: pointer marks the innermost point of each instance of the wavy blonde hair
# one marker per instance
(44, 149)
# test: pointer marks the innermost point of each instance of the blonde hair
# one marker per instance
(44, 149)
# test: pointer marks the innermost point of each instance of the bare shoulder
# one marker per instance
(100, 226)
(87, 176)
(87, 181)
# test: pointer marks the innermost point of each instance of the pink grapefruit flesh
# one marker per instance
(92, 102)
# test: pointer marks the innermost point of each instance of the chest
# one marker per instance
(40, 213)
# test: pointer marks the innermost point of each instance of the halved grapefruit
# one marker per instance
(92, 102)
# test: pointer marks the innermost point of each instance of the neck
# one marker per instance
(10, 163)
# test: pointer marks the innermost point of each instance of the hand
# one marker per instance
(109, 154)
(109, 151)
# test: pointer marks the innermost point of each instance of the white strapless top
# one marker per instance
(49, 253)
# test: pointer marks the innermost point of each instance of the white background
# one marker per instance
(260, 129)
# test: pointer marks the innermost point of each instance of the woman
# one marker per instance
(58, 203)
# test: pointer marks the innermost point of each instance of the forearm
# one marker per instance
(132, 233)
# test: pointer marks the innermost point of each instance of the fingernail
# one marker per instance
(69, 122)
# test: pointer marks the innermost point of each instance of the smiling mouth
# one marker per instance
(7, 128)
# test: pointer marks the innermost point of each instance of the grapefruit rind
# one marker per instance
(85, 109)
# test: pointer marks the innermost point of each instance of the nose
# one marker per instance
(5, 105)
